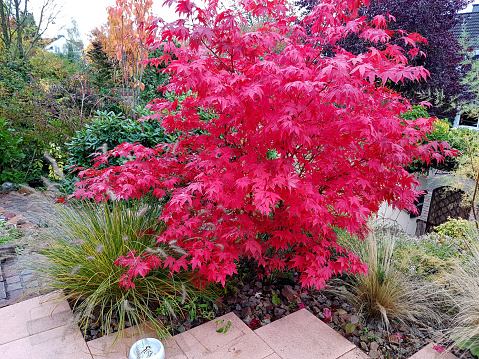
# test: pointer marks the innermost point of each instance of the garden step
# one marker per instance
(41, 328)
(202, 342)
(33, 316)
(301, 335)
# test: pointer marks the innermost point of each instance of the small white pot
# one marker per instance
(148, 348)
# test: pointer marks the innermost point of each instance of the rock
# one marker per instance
(8, 187)
(27, 226)
(354, 319)
(259, 285)
(253, 300)
(247, 320)
(246, 312)
(265, 321)
(14, 220)
(279, 312)
(231, 300)
(238, 307)
(373, 354)
(341, 312)
(364, 346)
(246, 288)
(404, 329)
(289, 293)
(374, 346)
(394, 339)
(9, 215)
(21, 221)
(25, 190)
(93, 332)
(181, 329)
(316, 310)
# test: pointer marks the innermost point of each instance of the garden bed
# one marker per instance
(259, 303)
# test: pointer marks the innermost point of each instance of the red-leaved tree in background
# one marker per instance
(305, 139)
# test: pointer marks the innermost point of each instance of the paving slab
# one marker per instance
(62, 342)
(301, 335)
(105, 347)
(33, 316)
(354, 354)
(240, 342)
(202, 342)
(429, 353)
(273, 356)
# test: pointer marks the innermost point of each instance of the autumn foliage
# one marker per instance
(300, 143)
(124, 38)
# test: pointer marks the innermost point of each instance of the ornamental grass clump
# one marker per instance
(385, 292)
(462, 284)
(81, 262)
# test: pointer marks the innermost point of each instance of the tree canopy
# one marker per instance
(298, 144)
(436, 21)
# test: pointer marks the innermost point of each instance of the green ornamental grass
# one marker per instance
(80, 261)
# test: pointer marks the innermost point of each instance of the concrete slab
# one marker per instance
(33, 316)
(105, 347)
(240, 342)
(61, 342)
(273, 356)
(354, 354)
(429, 353)
(303, 336)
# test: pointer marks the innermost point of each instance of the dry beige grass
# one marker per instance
(386, 292)
(462, 284)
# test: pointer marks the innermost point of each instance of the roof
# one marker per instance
(469, 21)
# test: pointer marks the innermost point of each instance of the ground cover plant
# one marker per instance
(305, 138)
(80, 261)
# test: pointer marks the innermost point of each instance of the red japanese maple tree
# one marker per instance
(305, 140)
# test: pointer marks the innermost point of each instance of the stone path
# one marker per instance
(41, 328)
(32, 212)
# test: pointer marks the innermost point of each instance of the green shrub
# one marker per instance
(455, 228)
(430, 256)
(36, 116)
(10, 152)
(108, 130)
(80, 261)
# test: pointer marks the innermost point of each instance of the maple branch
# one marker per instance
(217, 57)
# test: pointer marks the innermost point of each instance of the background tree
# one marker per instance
(19, 32)
(102, 67)
(75, 43)
(125, 37)
(436, 21)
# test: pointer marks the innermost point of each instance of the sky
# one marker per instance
(92, 13)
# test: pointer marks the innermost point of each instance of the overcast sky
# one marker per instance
(92, 13)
